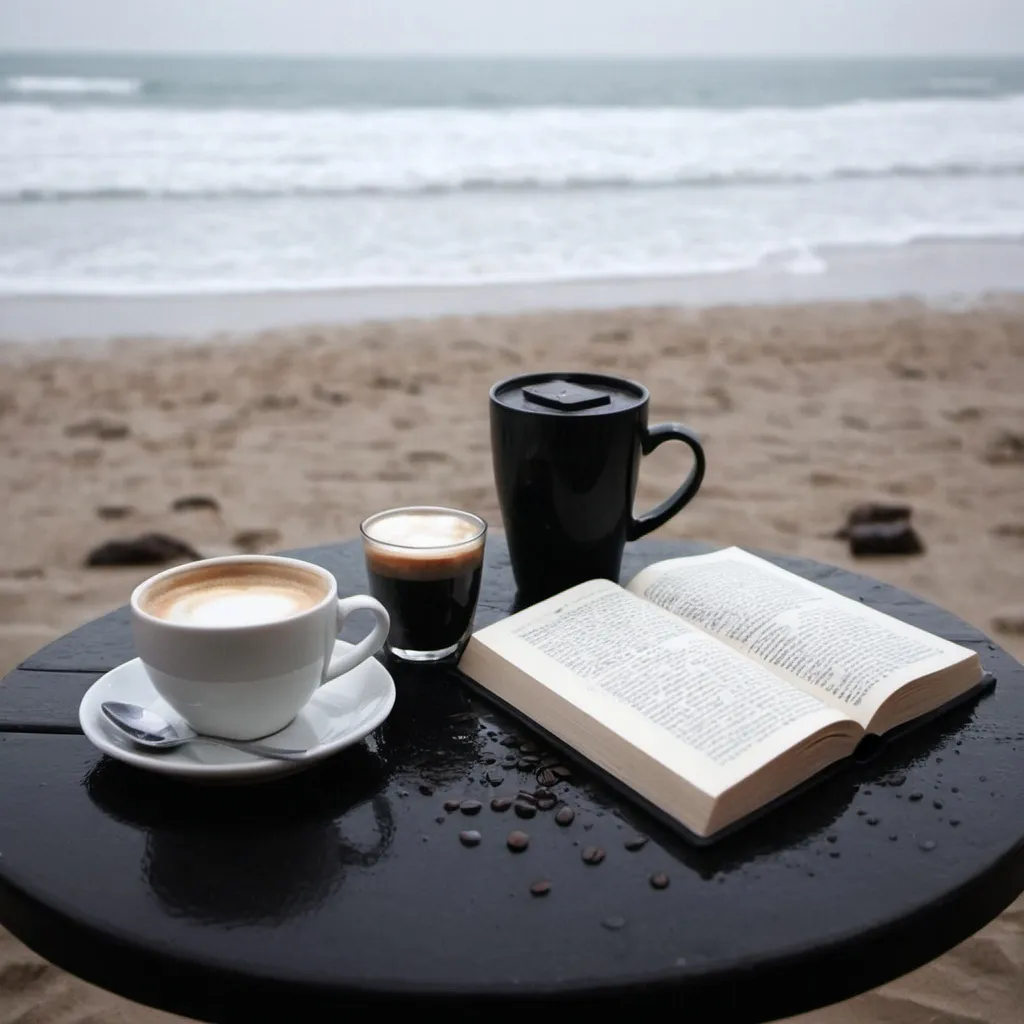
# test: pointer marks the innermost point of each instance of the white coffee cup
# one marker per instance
(242, 663)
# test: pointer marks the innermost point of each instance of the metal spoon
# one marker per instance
(148, 729)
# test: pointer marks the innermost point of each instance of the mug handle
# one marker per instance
(650, 438)
(369, 645)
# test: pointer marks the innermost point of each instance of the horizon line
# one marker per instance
(17, 51)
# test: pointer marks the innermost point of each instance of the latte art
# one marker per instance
(226, 606)
(234, 595)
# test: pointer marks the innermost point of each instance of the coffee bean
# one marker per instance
(469, 838)
(635, 843)
(451, 806)
(426, 789)
(494, 779)
(526, 764)
(614, 923)
(489, 759)
(659, 880)
(517, 841)
(592, 855)
(501, 803)
(546, 777)
(510, 761)
(565, 816)
(562, 772)
(470, 806)
(527, 798)
(509, 741)
(546, 803)
(540, 888)
(525, 810)
(543, 794)
(527, 747)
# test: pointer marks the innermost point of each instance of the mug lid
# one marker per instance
(569, 394)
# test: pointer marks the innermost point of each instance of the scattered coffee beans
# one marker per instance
(565, 816)
(517, 841)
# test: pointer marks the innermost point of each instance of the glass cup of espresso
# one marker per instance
(424, 565)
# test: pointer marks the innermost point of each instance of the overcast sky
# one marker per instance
(517, 26)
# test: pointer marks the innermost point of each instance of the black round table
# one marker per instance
(346, 887)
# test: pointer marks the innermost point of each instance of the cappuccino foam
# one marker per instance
(234, 595)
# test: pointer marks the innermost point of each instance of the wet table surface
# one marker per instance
(346, 887)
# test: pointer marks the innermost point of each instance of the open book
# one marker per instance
(714, 684)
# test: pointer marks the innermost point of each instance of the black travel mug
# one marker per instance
(567, 450)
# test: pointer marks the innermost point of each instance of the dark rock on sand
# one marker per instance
(871, 513)
(875, 529)
(147, 549)
(885, 539)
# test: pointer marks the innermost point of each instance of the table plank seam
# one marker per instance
(42, 728)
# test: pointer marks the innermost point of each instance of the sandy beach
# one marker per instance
(297, 433)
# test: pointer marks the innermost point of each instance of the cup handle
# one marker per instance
(650, 438)
(369, 645)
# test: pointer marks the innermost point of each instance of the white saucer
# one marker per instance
(341, 713)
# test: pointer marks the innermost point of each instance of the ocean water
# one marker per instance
(163, 175)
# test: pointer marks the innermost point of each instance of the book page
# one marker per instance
(686, 698)
(844, 652)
